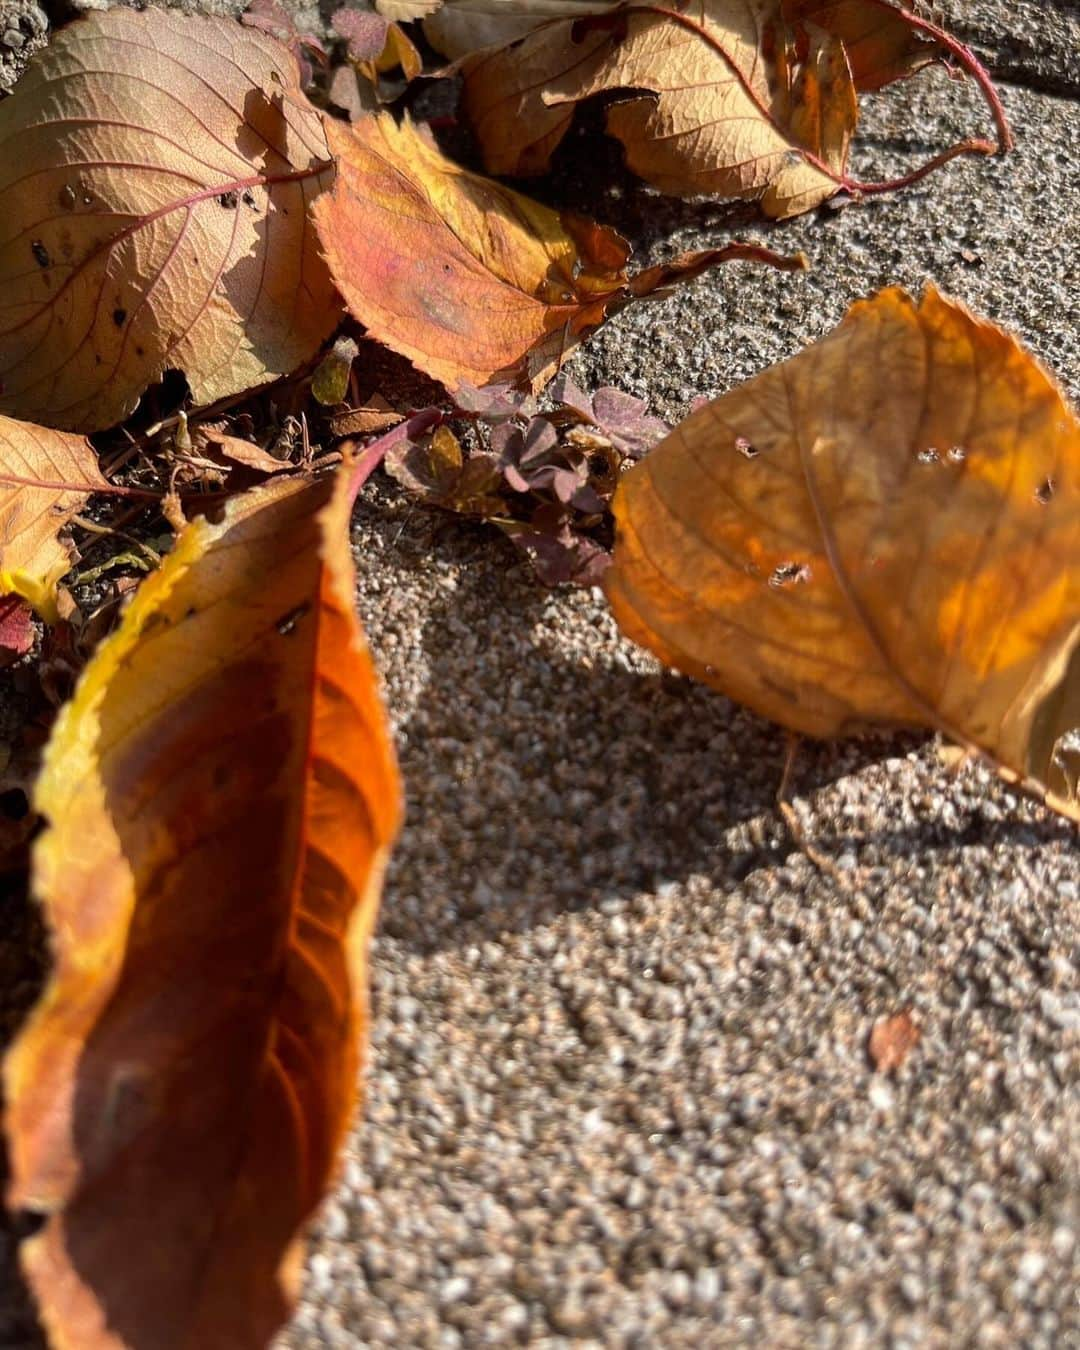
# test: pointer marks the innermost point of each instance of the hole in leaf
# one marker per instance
(790, 574)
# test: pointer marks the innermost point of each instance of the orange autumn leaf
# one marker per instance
(882, 42)
(884, 529)
(733, 98)
(472, 281)
(155, 176)
(220, 797)
(891, 1040)
(45, 477)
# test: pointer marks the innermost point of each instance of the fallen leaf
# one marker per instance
(330, 383)
(471, 281)
(16, 629)
(155, 217)
(215, 441)
(375, 415)
(45, 477)
(376, 45)
(882, 42)
(883, 530)
(404, 10)
(269, 16)
(892, 1039)
(220, 797)
(732, 98)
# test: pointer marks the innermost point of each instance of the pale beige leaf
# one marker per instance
(719, 116)
(401, 11)
(156, 172)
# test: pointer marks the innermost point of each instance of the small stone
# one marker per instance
(1032, 1267)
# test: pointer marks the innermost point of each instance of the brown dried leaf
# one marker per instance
(882, 44)
(892, 1039)
(718, 118)
(735, 98)
(472, 281)
(220, 797)
(45, 477)
(885, 529)
(155, 217)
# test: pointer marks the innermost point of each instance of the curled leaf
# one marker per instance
(734, 98)
(472, 281)
(45, 476)
(884, 529)
(220, 797)
(156, 172)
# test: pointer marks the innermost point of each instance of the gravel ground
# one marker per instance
(620, 1092)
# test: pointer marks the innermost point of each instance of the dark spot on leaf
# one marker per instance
(40, 252)
(1045, 491)
(118, 316)
(14, 804)
(790, 574)
(140, 351)
(929, 456)
(286, 625)
(249, 198)
(745, 448)
(229, 200)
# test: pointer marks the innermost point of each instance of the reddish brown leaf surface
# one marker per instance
(16, 628)
(220, 797)
(156, 172)
(472, 281)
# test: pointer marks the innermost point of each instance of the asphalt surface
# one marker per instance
(619, 1092)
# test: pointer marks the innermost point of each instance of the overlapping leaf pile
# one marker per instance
(886, 529)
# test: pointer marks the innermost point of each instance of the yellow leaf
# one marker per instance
(155, 176)
(884, 529)
(220, 797)
(45, 476)
(472, 281)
